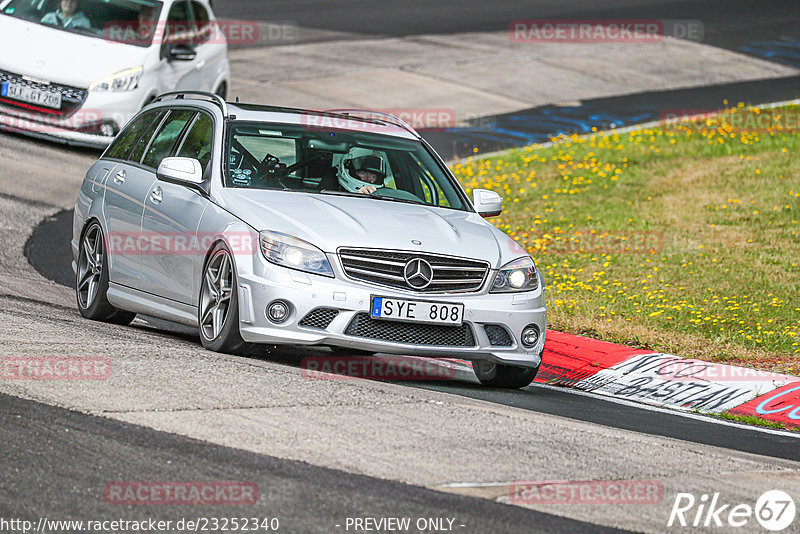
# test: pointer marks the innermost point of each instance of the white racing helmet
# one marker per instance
(361, 167)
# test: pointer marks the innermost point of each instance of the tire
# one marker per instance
(222, 91)
(91, 280)
(503, 376)
(218, 304)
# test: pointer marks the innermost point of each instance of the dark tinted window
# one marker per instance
(144, 140)
(122, 145)
(164, 142)
(199, 141)
(180, 28)
(127, 21)
(202, 23)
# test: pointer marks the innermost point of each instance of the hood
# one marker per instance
(60, 56)
(330, 222)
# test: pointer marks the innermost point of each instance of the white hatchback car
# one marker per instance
(79, 70)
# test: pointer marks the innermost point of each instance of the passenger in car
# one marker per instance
(146, 27)
(67, 16)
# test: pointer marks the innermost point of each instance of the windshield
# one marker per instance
(123, 21)
(358, 164)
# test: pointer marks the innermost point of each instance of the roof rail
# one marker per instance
(211, 97)
(380, 115)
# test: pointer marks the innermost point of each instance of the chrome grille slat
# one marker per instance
(378, 274)
(448, 268)
(373, 260)
(386, 267)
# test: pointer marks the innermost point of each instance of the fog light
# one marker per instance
(108, 130)
(530, 336)
(278, 311)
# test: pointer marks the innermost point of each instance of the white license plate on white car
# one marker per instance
(31, 95)
(417, 311)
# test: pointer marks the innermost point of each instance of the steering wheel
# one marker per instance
(388, 192)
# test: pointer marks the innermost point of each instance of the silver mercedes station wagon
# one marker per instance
(267, 225)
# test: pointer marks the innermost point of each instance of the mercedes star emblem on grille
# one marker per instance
(418, 273)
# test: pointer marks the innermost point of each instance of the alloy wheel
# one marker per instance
(215, 298)
(90, 266)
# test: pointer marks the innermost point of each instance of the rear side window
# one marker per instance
(125, 141)
(144, 141)
(164, 142)
(199, 141)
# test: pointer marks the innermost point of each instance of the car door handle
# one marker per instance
(157, 195)
(120, 177)
(200, 64)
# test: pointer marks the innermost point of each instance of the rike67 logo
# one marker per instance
(774, 510)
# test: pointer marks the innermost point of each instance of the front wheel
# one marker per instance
(503, 376)
(218, 310)
(91, 284)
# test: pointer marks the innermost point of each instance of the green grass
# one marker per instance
(682, 239)
(757, 421)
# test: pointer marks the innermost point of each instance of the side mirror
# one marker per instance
(181, 171)
(487, 203)
(181, 52)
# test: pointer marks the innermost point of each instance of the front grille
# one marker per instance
(72, 98)
(319, 318)
(363, 325)
(498, 335)
(387, 267)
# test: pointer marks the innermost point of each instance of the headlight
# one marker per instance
(126, 80)
(519, 275)
(288, 251)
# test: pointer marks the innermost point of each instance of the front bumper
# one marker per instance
(81, 127)
(307, 292)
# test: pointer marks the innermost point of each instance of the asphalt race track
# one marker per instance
(48, 251)
(322, 452)
(304, 498)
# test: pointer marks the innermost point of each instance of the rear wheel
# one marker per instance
(503, 376)
(91, 284)
(218, 310)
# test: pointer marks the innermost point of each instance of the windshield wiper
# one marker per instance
(373, 197)
(403, 200)
(342, 193)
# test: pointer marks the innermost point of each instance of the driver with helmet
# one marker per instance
(361, 171)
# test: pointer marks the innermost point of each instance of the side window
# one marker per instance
(179, 24)
(199, 141)
(144, 141)
(122, 145)
(164, 142)
(202, 23)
